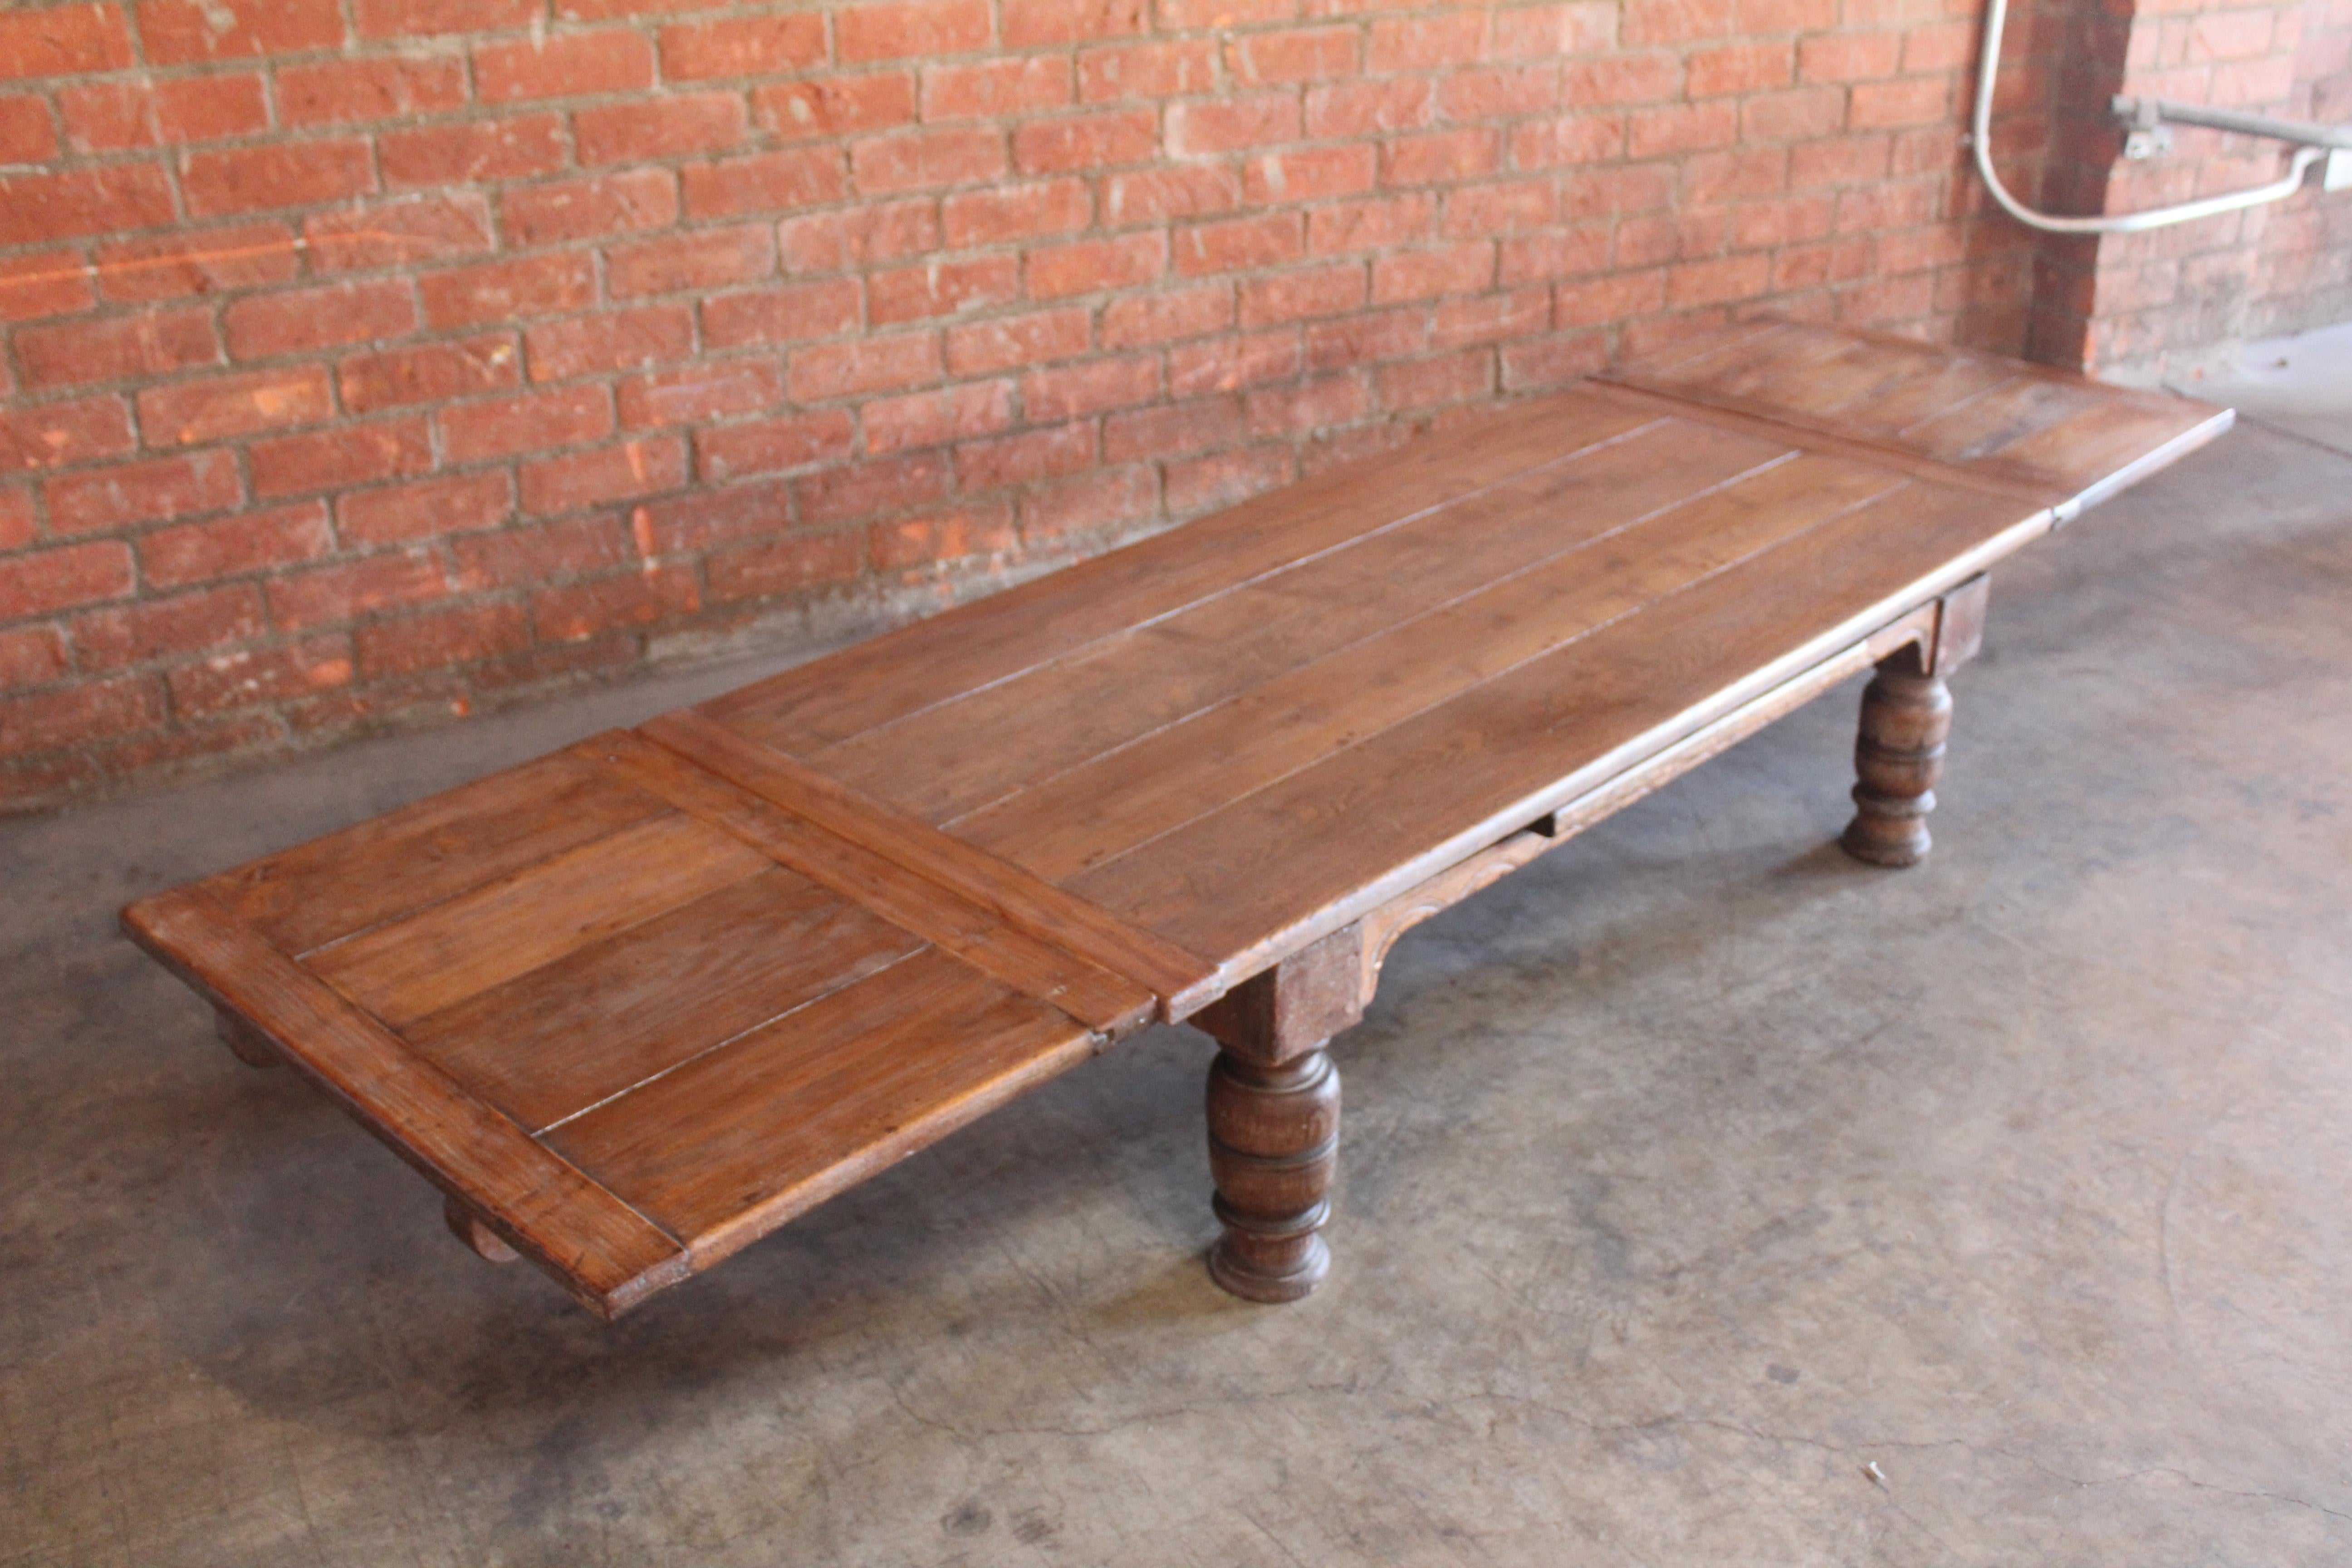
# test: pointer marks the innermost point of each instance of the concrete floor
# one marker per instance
(1706, 1198)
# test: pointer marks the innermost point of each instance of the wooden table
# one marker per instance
(636, 1003)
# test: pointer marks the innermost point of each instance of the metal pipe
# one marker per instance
(2159, 109)
(1980, 126)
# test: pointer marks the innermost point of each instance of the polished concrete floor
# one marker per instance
(1706, 1198)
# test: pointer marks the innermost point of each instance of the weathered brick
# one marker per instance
(1324, 290)
(1440, 156)
(1370, 225)
(52, 435)
(37, 722)
(922, 160)
(46, 283)
(1205, 128)
(402, 232)
(833, 106)
(151, 343)
(1171, 430)
(1022, 458)
(478, 150)
(171, 628)
(1313, 174)
(1157, 69)
(346, 590)
(1190, 312)
(1035, 24)
(1308, 405)
(624, 203)
(426, 508)
(862, 490)
(743, 46)
(248, 541)
(912, 29)
(1238, 244)
(941, 288)
(386, 87)
(670, 127)
(428, 372)
(1096, 387)
(1426, 43)
(302, 321)
(787, 315)
(33, 656)
(504, 291)
(902, 544)
(825, 371)
(935, 418)
(526, 422)
(256, 179)
(764, 183)
(250, 677)
(341, 456)
(614, 339)
(46, 581)
(770, 567)
(429, 18)
(116, 116)
(441, 639)
(1009, 342)
(1223, 364)
(18, 527)
(1491, 318)
(703, 258)
(1206, 483)
(699, 393)
(1293, 53)
(1083, 141)
(644, 466)
(1155, 195)
(195, 32)
(989, 90)
(1016, 212)
(66, 40)
(772, 445)
(873, 231)
(74, 202)
(152, 491)
(572, 65)
(1058, 271)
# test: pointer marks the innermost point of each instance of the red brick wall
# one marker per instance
(2142, 301)
(369, 361)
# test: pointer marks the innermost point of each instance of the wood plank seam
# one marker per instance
(1393, 628)
(1581, 635)
(1272, 574)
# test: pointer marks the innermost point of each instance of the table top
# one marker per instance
(640, 1001)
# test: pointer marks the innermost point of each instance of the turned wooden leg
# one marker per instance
(467, 1227)
(247, 1044)
(1274, 1141)
(1273, 1116)
(1906, 715)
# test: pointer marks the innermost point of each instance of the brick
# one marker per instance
(615, 340)
(46, 581)
(870, 232)
(257, 179)
(73, 203)
(638, 467)
(2229, 35)
(1238, 244)
(1713, 282)
(115, 117)
(171, 628)
(528, 422)
(935, 418)
(1199, 129)
(1440, 156)
(1766, 225)
(17, 526)
(1686, 128)
(1292, 54)
(151, 343)
(670, 127)
(699, 393)
(706, 516)
(1155, 195)
(1553, 361)
(429, 373)
(349, 454)
(1849, 57)
(988, 89)
(1497, 92)
(1088, 502)
(505, 290)
(704, 259)
(1549, 31)
(1363, 227)
(1185, 16)
(50, 283)
(441, 639)
(862, 490)
(1851, 160)
(572, 64)
(769, 567)
(32, 656)
(1084, 142)
(1312, 174)
(921, 159)
(195, 32)
(1226, 478)
(1224, 365)
(53, 434)
(1170, 429)
(1426, 44)
(232, 546)
(1563, 253)
(1191, 313)
(743, 46)
(426, 509)
(429, 18)
(941, 288)
(1168, 69)
(253, 675)
(833, 106)
(1464, 268)
(1073, 392)
(63, 41)
(1059, 271)
(1016, 212)
(1919, 100)
(1429, 383)
(917, 30)
(787, 315)
(1492, 318)
(1804, 113)
(871, 364)
(1500, 209)
(1648, 21)
(301, 320)
(1741, 68)
(1037, 23)
(387, 87)
(583, 610)
(1010, 342)
(772, 445)
(1299, 296)
(1023, 458)
(905, 544)
(80, 714)
(1371, 108)
(1710, 179)
(764, 183)
(1654, 78)
(478, 150)
(627, 202)
(1307, 406)
(346, 590)
(402, 232)
(1572, 139)
(152, 491)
